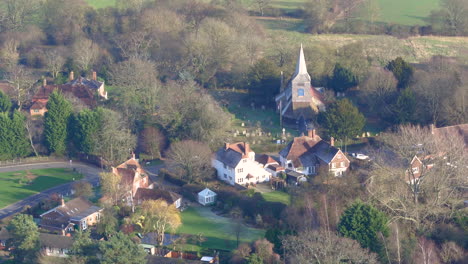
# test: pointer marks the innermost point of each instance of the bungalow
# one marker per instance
(144, 194)
(307, 154)
(78, 213)
(235, 164)
(55, 245)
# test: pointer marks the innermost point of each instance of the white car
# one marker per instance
(360, 156)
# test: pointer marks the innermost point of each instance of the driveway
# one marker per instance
(90, 174)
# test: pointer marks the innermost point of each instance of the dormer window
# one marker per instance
(300, 92)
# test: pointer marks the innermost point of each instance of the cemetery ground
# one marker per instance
(218, 231)
(17, 185)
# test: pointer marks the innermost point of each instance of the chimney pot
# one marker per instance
(94, 75)
(226, 146)
(62, 202)
(72, 76)
(133, 155)
(432, 129)
(44, 82)
(311, 133)
(332, 141)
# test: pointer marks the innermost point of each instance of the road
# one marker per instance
(90, 173)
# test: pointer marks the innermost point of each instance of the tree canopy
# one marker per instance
(24, 238)
(342, 120)
(402, 71)
(56, 123)
(342, 79)
(120, 249)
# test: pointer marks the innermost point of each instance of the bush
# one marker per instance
(190, 191)
(170, 177)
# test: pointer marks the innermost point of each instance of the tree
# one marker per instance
(402, 71)
(19, 13)
(83, 188)
(13, 140)
(152, 141)
(262, 4)
(455, 16)
(24, 238)
(5, 102)
(380, 89)
(264, 82)
(264, 249)
(108, 224)
(364, 223)
(194, 158)
(342, 120)
(22, 81)
(56, 123)
(54, 62)
(424, 198)
(84, 248)
(324, 247)
(120, 249)
(85, 126)
(157, 216)
(254, 259)
(405, 107)
(342, 79)
(110, 186)
(85, 53)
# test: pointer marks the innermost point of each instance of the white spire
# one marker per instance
(301, 67)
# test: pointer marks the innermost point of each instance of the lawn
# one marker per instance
(101, 3)
(277, 196)
(216, 229)
(407, 12)
(15, 186)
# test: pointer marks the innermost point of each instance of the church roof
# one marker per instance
(301, 67)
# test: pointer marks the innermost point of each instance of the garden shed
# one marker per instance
(206, 196)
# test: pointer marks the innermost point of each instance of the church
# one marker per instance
(299, 98)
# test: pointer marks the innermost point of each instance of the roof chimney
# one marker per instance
(226, 146)
(62, 201)
(432, 129)
(44, 82)
(332, 141)
(72, 76)
(133, 155)
(94, 76)
(311, 133)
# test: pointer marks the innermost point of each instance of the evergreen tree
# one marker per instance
(342, 79)
(56, 123)
(120, 249)
(5, 102)
(405, 107)
(364, 223)
(13, 139)
(85, 126)
(24, 238)
(6, 135)
(342, 120)
(84, 248)
(402, 71)
(264, 82)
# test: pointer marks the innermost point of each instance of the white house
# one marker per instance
(235, 164)
(269, 164)
(207, 196)
(307, 154)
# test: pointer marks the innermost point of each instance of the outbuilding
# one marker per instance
(206, 196)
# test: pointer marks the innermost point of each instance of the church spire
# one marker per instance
(301, 67)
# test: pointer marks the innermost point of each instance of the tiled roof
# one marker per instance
(76, 208)
(265, 159)
(304, 151)
(55, 241)
(89, 83)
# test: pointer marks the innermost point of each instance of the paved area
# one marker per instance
(90, 174)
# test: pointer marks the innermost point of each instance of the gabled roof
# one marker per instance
(75, 209)
(144, 194)
(89, 83)
(55, 241)
(232, 154)
(265, 159)
(305, 151)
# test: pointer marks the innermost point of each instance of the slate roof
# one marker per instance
(155, 194)
(55, 241)
(305, 151)
(265, 159)
(75, 210)
(89, 83)
(275, 167)
(232, 154)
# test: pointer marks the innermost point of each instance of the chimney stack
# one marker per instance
(332, 141)
(72, 76)
(62, 201)
(432, 129)
(311, 133)
(226, 146)
(44, 82)
(94, 76)
(133, 155)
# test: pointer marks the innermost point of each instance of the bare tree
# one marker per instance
(54, 61)
(22, 80)
(110, 186)
(9, 54)
(194, 158)
(456, 15)
(19, 12)
(135, 44)
(262, 4)
(428, 193)
(83, 188)
(85, 53)
(319, 247)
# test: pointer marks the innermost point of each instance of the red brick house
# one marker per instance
(133, 176)
(307, 154)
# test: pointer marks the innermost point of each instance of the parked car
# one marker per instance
(359, 156)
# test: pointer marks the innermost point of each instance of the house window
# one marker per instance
(333, 165)
(300, 92)
(225, 176)
(240, 170)
(342, 164)
(339, 156)
(240, 180)
(311, 170)
(36, 110)
(415, 170)
(245, 160)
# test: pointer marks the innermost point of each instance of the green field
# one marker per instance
(15, 186)
(101, 3)
(216, 229)
(277, 196)
(407, 12)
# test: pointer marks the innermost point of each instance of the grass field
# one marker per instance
(407, 12)
(277, 196)
(216, 229)
(101, 3)
(15, 186)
